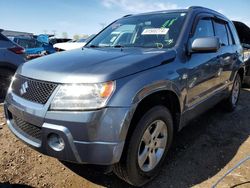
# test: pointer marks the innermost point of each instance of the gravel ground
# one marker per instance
(203, 152)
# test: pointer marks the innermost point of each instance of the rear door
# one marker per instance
(203, 67)
(227, 54)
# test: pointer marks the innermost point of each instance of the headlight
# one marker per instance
(82, 96)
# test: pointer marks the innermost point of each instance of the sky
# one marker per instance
(89, 16)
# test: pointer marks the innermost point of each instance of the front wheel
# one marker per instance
(233, 99)
(147, 147)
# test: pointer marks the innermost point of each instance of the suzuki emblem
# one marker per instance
(24, 88)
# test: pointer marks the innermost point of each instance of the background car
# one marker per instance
(35, 47)
(244, 35)
(58, 40)
(11, 56)
(71, 45)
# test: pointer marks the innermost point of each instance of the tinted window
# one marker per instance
(235, 35)
(230, 38)
(28, 43)
(204, 28)
(221, 32)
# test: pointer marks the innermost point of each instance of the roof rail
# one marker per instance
(194, 7)
(127, 15)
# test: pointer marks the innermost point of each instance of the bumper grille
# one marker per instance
(31, 131)
(33, 90)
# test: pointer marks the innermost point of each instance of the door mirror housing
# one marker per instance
(205, 44)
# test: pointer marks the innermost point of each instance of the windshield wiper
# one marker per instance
(93, 46)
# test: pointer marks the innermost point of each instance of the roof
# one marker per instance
(192, 8)
(9, 33)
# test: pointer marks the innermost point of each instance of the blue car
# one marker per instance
(35, 47)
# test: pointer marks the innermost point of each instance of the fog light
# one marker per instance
(56, 142)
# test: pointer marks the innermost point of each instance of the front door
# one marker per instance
(203, 68)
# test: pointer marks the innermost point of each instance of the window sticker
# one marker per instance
(168, 23)
(155, 31)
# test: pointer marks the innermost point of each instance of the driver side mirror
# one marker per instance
(205, 44)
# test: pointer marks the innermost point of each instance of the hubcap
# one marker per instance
(235, 91)
(152, 145)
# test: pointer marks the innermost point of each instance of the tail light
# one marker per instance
(17, 50)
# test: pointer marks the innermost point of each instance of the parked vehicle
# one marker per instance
(71, 45)
(11, 56)
(35, 47)
(120, 104)
(58, 40)
(244, 35)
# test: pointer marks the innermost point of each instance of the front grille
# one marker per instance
(33, 90)
(29, 130)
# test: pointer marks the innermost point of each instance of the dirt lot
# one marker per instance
(202, 153)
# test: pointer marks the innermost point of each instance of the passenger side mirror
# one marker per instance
(205, 44)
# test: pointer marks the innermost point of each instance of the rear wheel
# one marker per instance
(5, 79)
(233, 99)
(147, 147)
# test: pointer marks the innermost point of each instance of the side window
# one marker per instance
(204, 28)
(221, 32)
(235, 34)
(230, 37)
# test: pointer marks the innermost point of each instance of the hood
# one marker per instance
(94, 65)
(69, 45)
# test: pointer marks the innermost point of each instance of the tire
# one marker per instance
(5, 79)
(232, 100)
(129, 169)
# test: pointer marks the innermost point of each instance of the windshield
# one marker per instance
(159, 30)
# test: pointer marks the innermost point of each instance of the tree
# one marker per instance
(76, 37)
(65, 35)
(54, 32)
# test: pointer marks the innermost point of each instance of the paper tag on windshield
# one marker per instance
(155, 31)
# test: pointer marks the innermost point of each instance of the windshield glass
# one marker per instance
(159, 30)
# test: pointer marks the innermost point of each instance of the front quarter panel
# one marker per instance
(132, 89)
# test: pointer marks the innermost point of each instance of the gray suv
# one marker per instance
(11, 56)
(119, 100)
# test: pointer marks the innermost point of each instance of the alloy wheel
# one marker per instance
(152, 145)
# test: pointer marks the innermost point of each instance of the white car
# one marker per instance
(70, 45)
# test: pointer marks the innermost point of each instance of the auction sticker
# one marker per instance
(155, 31)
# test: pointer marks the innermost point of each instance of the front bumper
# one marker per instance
(90, 137)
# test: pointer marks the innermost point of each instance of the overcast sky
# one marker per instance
(89, 16)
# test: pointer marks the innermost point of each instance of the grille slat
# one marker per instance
(33, 90)
(29, 129)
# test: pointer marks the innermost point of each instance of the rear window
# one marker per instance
(230, 37)
(221, 32)
(3, 38)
